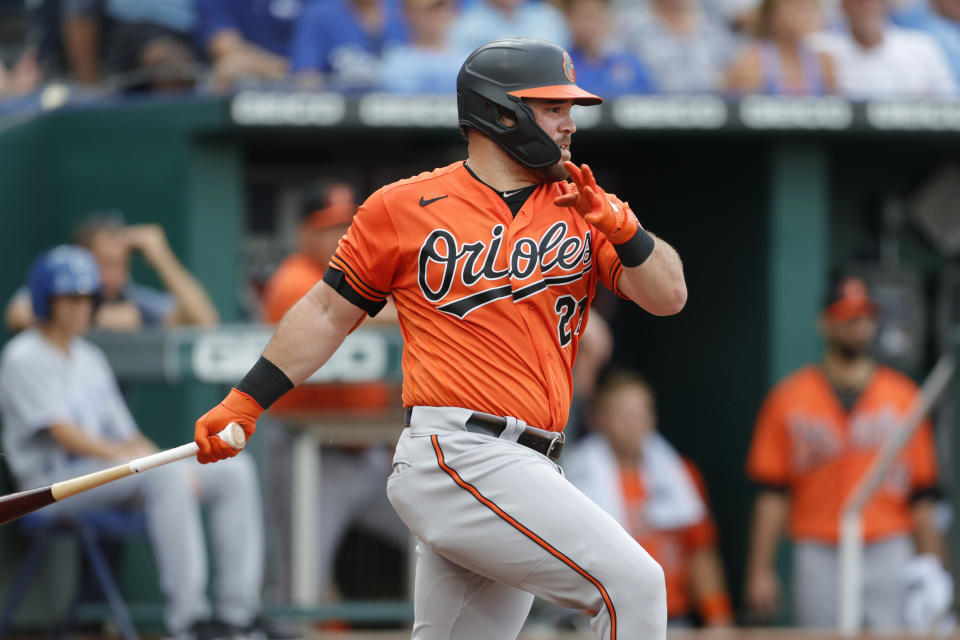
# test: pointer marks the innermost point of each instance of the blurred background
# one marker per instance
(773, 143)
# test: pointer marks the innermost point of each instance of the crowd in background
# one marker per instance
(860, 49)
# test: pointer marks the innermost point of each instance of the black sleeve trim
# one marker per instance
(934, 493)
(636, 250)
(265, 383)
(771, 487)
(337, 279)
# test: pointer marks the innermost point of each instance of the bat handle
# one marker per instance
(233, 435)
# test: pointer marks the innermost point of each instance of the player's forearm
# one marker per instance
(310, 332)
(927, 538)
(769, 516)
(657, 285)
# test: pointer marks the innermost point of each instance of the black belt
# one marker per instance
(549, 443)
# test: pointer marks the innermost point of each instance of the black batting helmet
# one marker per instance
(497, 76)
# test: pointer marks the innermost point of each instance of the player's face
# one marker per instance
(852, 338)
(71, 314)
(319, 244)
(627, 417)
(553, 116)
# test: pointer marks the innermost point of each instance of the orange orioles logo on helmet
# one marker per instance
(568, 67)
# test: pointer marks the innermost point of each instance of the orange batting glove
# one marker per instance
(607, 213)
(236, 407)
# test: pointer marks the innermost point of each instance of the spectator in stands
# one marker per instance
(247, 40)
(939, 18)
(153, 38)
(877, 60)
(124, 305)
(428, 63)
(781, 62)
(484, 20)
(659, 497)
(340, 43)
(685, 49)
(63, 416)
(817, 433)
(599, 69)
(351, 478)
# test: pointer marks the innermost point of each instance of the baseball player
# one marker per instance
(63, 416)
(492, 264)
(817, 433)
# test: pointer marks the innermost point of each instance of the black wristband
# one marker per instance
(265, 383)
(636, 250)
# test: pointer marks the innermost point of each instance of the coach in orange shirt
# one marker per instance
(816, 435)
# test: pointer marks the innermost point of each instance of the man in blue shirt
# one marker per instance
(247, 38)
(600, 69)
(340, 43)
(429, 63)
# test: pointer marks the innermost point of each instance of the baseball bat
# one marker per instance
(16, 505)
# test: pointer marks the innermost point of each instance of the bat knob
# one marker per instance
(233, 435)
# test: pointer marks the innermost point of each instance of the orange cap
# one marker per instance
(849, 299)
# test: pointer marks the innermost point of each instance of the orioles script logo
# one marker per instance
(443, 261)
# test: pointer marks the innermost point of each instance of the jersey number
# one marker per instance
(566, 307)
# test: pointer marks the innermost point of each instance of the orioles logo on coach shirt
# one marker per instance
(443, 262)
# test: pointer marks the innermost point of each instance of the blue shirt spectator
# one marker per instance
(487, 20)
(600, 70)
(427, 64)
(610, 75)
(333, 39)
(247, 39)
(936, 21)
(264, 23)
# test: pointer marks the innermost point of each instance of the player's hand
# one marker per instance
(763, 594)
(236, 407)
(606, 212)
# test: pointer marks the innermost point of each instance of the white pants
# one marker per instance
(498, 523)
(168, 496)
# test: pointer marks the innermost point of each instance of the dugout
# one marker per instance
(761, 197)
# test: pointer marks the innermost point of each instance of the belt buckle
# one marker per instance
(556, 446)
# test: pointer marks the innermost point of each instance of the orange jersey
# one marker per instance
(806, 442)
(671, 548)
(490, 306)
(291, 281)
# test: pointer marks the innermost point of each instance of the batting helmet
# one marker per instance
(497, 76)
(66, 270)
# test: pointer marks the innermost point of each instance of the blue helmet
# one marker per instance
(66, 270)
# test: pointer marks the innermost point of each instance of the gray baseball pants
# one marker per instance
(815, 579)
(497, 523)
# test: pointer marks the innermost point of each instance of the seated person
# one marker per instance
(246, 40)
(428, 63)
(124, 305)
(780, 62)
(486, 20)
(600, 70)
(684, 48)
(876, 60)
(939, 18)
(340, 43)
(63, 416)
(104, 37)
(659, 497)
